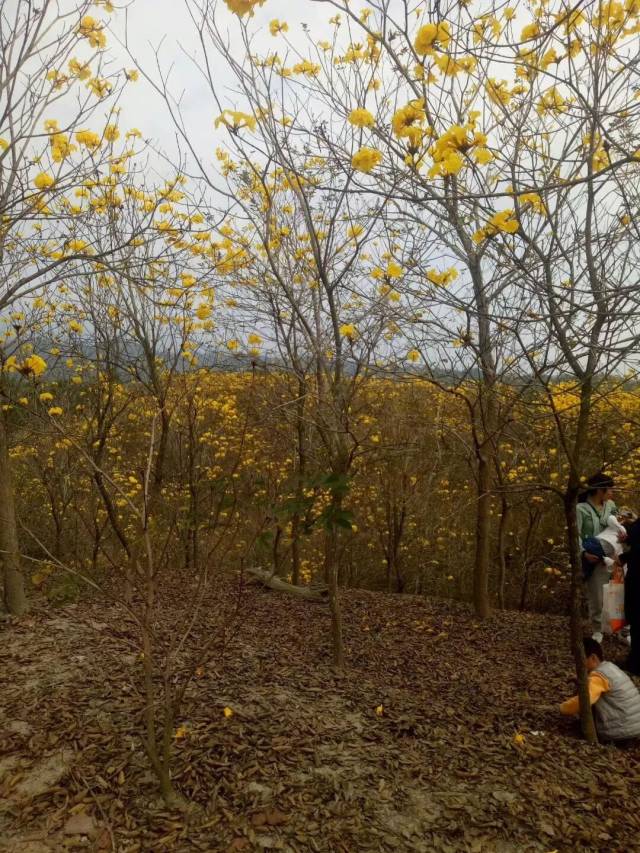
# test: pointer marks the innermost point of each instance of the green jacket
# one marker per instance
(590, 521)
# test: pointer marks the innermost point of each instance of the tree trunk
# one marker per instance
(300, 478)
(295, 549)
(483, 539)
(502, 556)
(575, 615)
(331, 579)
(310, 593)
(524, 589)
(15, 599)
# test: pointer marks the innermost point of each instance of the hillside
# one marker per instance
(309, 761)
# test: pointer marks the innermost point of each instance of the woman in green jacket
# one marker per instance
(593, 511)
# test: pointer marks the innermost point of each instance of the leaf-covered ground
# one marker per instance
(306, 763)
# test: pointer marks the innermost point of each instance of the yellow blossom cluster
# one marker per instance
(504, 221)
(235, 120)
(32, 365)
(366, 159)
(243, 7)
(93, 31)
(450, 150)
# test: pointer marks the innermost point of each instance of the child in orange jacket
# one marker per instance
(614, 697)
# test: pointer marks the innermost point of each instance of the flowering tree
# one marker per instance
(403, 110)
(61, 167)
(305, 248)
(575, 250)
(507, 177)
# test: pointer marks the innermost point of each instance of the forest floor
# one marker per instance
(309, 761)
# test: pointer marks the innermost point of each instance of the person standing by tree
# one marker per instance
(594, 507)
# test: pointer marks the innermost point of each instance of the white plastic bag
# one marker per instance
(613, 605)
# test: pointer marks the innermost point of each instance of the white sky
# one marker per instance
(166, 24)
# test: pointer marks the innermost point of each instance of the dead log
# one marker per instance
(309, 593)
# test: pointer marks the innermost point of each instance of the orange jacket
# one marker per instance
(598, 685)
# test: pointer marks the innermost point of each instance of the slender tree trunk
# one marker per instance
(331, 575)
(483, 538)
(502, 556)
(15, 599)
(193, 556)
(331, 579)
(399, 517)
(300, 477)
(524, 588)
(157, 744)
(484, 436)
(295, 549)
(275, 551)
(575, 616)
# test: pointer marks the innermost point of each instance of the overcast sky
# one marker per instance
(165, 24)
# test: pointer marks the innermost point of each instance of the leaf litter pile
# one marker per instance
(436, 738)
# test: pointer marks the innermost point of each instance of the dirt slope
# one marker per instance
(306, 762)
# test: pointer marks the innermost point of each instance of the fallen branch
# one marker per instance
(309, 593)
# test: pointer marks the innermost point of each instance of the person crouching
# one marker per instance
(614, 697)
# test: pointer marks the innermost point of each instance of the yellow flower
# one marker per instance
(74, 326)
(551, 101)
(60, 146)
(44, 181)
(306, 67)
(482, 156)
(77, 246)
(530, 32)
(91, 30)
(236, 120)
(99, 87)
(600, 158)
(518, 739)
(88, 139)
(407, 120)
(361, 118)
(55, 410)
(498, 91)
(380, 711)
(431, 35)
(277, 26)
(181, 732)
(111, 133)
(534, 201)
(444, 278)
(232, 345)
(46, 397)
(243, 7)
(78, 69)
(203, 312)
(501, 221)
(228, 712)
(254, 339)
(413, 355)
(348, 330)
(394, 270)
(366, 159)
(33, 365)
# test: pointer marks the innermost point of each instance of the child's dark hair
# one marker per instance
(595, 482)
(592, 647)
